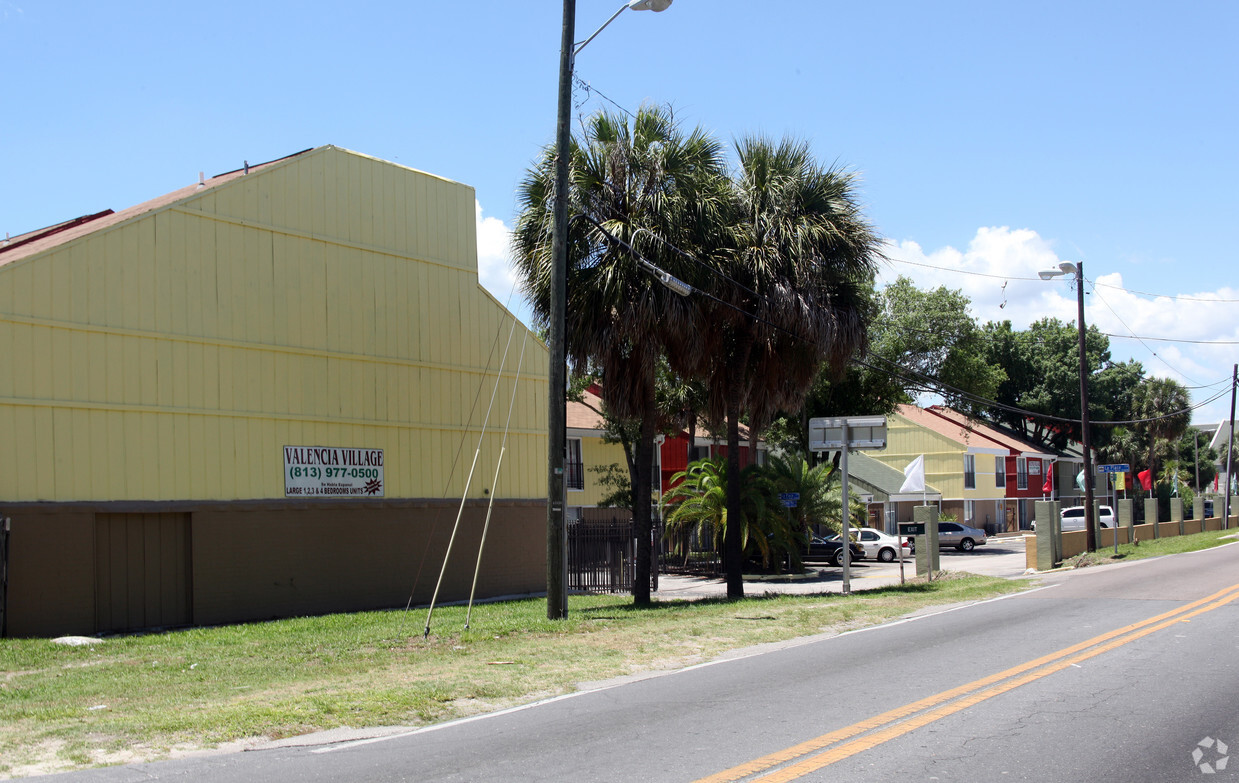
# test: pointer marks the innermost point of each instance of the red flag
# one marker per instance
(1146, 479)
(1048, 486)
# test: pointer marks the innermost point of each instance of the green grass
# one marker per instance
(144, 697)
(1154, 548)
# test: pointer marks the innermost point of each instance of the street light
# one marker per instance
(1068, 268)
(557, 413)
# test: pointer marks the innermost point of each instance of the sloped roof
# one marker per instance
(881, 479)
(39, 240)
(1008, 439)
(585, 415)
(961, 434)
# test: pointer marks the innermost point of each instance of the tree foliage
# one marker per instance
(646, 184)
(787, 293)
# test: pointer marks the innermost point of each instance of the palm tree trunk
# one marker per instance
(733, 548)
(641, 522)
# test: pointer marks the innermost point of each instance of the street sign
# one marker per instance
(911, 528)
(789, 498)
(1121, 467)
(864, 432)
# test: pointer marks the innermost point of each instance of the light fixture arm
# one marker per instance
(636, 5)
(578, 47)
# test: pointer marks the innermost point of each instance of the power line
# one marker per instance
(1171, 339)
(956, 270)
(920, 381)
(1181, 297)
(962, 271)
(588, 89)
(1102, 299)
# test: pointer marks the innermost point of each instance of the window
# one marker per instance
(1000, 472)
(574, 469)
(970, 471)
(1021, 473)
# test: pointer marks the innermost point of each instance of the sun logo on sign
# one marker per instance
(1219, 756)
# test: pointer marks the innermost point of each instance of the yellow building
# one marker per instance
(959, 462)
(259, 396)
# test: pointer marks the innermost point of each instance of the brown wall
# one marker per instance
(261, 561)
(51, 573)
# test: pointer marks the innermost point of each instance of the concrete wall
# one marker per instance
(1075, 541)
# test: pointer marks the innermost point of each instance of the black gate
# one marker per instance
(602, 556)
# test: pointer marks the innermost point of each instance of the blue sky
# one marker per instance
(991, 138)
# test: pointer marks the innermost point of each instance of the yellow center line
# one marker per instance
(976, 691)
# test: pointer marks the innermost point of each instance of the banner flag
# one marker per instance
(914, 476)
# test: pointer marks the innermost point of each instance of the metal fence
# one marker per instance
(691, 554)
(602, 555)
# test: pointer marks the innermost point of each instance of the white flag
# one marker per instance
(914, 476)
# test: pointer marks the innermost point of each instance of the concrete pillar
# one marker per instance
(1198, 508)
(1126, 518)
(1150, 515)
(1049, 534)
(1176, 512)
(1234, 509)
(927, 545)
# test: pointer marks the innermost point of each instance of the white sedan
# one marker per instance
(879, 545)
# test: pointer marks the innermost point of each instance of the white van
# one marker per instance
(1073, 518)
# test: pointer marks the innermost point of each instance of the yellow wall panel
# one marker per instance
(9, 456)
(329, 299)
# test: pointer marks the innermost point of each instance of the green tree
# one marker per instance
(917, 339)
(787, 294)
(1199, 457)
(1043, 376)
(932, 333)
(649, 184)
(1163, 406)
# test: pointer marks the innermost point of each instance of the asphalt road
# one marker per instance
(1107, 674)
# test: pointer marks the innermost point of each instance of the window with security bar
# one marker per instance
(574, 468)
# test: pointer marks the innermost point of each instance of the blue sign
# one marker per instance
(789, 498)
(1121, 467)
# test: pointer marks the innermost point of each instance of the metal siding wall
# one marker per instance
(593, 453)
(172, 357)
(944, 461)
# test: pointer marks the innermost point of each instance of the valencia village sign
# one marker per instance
(327, 471)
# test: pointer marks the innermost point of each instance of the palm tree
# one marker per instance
(649, 185)
(1163, 404)
(791, 272)
(817, 504)
(697, 502)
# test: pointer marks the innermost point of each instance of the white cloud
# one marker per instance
(998, 272)
(496, 272)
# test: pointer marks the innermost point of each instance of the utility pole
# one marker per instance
(1230, 445)
(557, 414)
(1086, 437)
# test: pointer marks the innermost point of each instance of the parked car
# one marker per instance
(962, 537)
(831, 551)
(879, 545)
(1073, 518)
